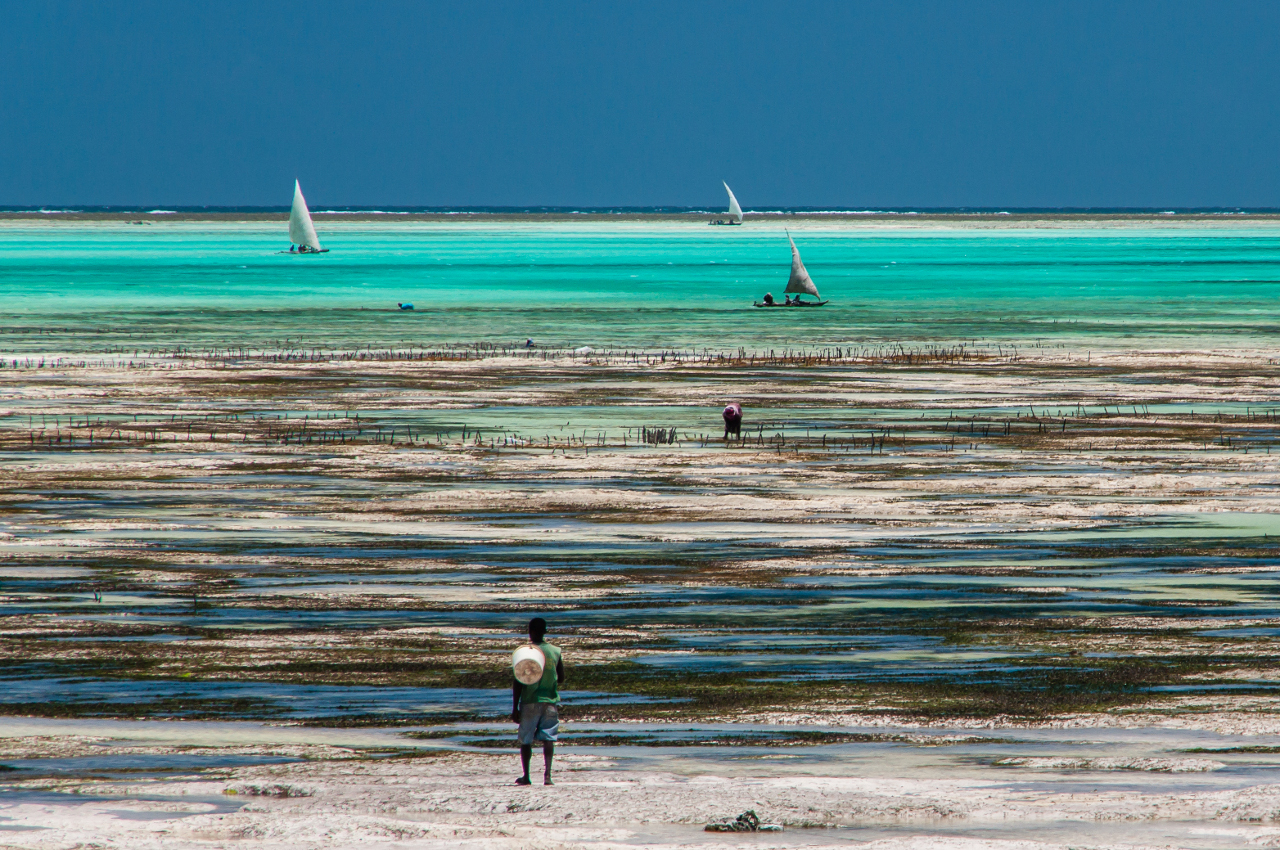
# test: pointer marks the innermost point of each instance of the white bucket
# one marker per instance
(527, 662)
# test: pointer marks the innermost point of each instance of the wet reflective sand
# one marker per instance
(190, 784)
(217, 558)
(967, 624)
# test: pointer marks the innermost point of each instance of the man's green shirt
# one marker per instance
(546, 689)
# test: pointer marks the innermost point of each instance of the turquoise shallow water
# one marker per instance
(86, 287)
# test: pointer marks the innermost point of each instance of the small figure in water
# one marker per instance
(733, 420)
(535, 707)
(528, 343)
(768, 298)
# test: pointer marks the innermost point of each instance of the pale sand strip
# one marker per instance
(465, 800)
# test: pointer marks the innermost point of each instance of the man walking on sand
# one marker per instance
(535, 707)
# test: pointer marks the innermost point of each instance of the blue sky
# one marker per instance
(864, 104)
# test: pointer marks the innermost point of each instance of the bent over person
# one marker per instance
(535, 707)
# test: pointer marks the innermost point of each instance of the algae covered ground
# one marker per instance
(342, 539)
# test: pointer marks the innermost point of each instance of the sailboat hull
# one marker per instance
(794, 304)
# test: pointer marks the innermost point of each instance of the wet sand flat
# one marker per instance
(180, 784)
(749, 625)
(1101, 538)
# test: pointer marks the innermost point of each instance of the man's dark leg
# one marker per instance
(548, 750)
(526, 755)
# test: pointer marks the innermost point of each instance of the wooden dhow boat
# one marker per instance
(301, 230)
(798, 284)
(735, 211)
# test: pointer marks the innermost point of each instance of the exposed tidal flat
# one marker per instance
(993, 562)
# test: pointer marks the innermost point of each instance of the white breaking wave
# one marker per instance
(841, 212)
(1156, 765)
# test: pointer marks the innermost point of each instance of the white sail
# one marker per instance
(800, 281)
(734, 209)
(301, 230)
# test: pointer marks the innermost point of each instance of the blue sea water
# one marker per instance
(68, 286)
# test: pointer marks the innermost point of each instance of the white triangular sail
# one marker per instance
(301, 230)
(734, 209)
(800, 282)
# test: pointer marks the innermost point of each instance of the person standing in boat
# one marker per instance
(536, 708)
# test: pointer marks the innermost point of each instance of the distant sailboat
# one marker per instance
(799, 284)
(735, 211)
(301, 230)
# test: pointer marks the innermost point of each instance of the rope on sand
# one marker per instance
(748, 821)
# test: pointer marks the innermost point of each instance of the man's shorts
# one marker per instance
(539, 721)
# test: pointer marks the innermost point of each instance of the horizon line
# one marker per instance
(534, 209)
